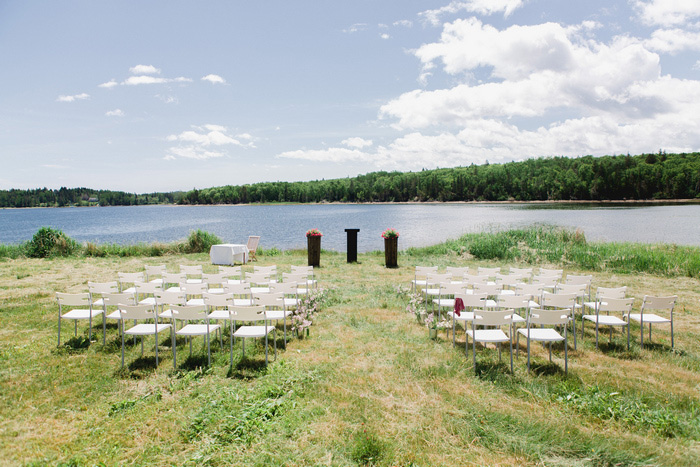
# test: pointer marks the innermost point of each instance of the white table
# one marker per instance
(228, 253)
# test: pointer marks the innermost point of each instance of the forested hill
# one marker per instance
(643, 177)
(647, 176)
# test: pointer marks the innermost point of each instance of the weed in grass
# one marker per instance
(77, 343)
(128, 404)
(367, 447)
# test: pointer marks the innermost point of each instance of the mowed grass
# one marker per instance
(366, 387)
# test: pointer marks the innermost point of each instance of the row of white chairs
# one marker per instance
(610, 307)
(425, 275)
(198, 319)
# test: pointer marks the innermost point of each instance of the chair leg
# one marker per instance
(59, 330)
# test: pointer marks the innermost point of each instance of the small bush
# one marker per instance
(200, 241)
(48, 242)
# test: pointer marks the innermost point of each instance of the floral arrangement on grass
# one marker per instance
(304, 314)
(314, 233)
(390, 233)
(431, 322)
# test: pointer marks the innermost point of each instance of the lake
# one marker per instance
(284, 226)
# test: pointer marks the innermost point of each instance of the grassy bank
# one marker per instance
(367, 387)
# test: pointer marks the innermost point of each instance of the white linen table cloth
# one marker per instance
(228, 253)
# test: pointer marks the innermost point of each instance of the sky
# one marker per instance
(168, 95)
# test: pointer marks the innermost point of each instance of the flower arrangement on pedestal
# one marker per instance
(314, 233)
(390, 233)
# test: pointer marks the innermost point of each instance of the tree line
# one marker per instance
(44, 197)
(644, 177)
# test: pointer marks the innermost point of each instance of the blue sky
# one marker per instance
(174, 95)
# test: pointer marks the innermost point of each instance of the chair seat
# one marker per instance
(166, 314)
(277, 314)
(81, 313)
(291, 302)
(259, 290)
(98, 302)
(446, 302)
(215, 290)
(148, 301)
(432, 291)
(219, 314)
(253, 331)
(131, 290)
(235, 281)
(194, 281)
(197, 329)
(195, 302)
(518, 319)
(488, 335)
(242, 302)
(463, 316)
(542, 334)
(606, 320)
(116, 314)
(649, 318)
(146, 329)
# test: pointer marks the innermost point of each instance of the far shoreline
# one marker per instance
(339, 203)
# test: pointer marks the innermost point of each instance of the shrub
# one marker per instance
(200, 241)
(49, 242)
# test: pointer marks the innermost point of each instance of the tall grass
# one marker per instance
(544, 244)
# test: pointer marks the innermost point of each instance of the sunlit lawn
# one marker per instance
(367, 386)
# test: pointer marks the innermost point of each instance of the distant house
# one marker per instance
(93, 200)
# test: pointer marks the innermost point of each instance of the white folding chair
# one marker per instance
(253, 241)
(200, 327)
(470, 301)
(623, 306)
(492, 332)
(85, 311)
(252, 314)
(540, 317)
(658, 305)
(141, 313)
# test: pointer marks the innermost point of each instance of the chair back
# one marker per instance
(215, 279)
(213, 300)
(270, 300)
(516, 302)
(248, 313)
(616, 305)
(103, 287)
(73, 299)
(473, 279)
(558, 273)
(526, 272)
(491, 272)
(174, 278)
(492, 318)
(611, 292)
(147, 288)
(232, 273)
(546, 281)
(559, 300)
(659, 303)
(164, 297)
(541, 317)
(137, 311)
(258, 279)
(457, 272)
(533, 290)
(295, 278)
(129, 278)
(269, 270)
(240, 292)
(190, 312)
(154, 272)
(489, 289)
(434, 279)
(253, 241)
(449, 288)
(286, 288)
(119, 298)
(472, 300)
(194, 290)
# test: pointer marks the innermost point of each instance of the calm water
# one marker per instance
(284, 226)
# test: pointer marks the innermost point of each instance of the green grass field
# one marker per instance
(366, 387)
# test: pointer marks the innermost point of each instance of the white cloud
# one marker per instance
(673, 40)
(108, 84)
(482, 7)
(76, 97)
(144, 70)
(533, 70)
(357, 27)
(404, 22)
(668, 12)
(385, 36)
(357, 142)
(144, 79)
(115, 113)
(214, 79)
(543, 90)
(197, 143)
(168, 99)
